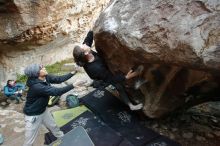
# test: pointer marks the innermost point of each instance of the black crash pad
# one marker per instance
(76, 137)
(100, 133)
(119, 117)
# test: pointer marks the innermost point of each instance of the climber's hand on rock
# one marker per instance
(131, 74)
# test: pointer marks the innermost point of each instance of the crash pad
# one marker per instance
(76, 137)
(100, 133)
(119, 117)
(62, 117)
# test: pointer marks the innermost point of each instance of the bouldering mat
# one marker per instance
(119, 117)
(62, 117)
(100, 133)
(76, 137)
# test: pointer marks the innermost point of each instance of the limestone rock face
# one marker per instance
(42, 31)
(178, 42)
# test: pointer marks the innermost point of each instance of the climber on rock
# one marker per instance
(96, 68)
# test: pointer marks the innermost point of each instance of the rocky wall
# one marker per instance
(42, 31)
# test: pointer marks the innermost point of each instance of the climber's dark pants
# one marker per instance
(119, 86)
(122, 92)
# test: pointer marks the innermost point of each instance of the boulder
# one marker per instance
(178, 42)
